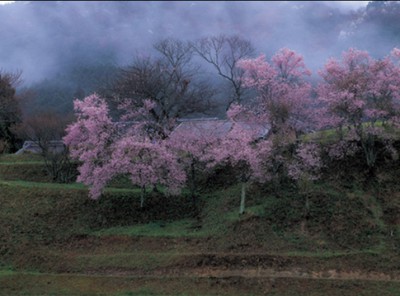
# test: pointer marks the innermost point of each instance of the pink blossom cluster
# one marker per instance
(283, 92)
(240, 147)
(359, 89)
(307, 162)
(90, 141)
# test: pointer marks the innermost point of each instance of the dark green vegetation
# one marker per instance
(56, 241)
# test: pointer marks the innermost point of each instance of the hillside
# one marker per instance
(56, 241)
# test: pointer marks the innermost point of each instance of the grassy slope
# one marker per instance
(52, 233)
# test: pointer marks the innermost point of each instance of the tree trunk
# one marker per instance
(193, 183)
(242, 198)
(303, 225)
(307, 206)
(142, 196)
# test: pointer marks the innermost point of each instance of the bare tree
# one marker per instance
(47, 130)
(10, 112)
(171, 80)
(223, 52)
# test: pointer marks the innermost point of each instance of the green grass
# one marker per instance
(12, 272)
(324, 136)
(253, 211)
(22, 158)
(29, 184)
(60, 186)
(221, 206)
(181, 228)
(333, 253)
(33, 162)
(218, 218)
(132, 260)
(7, 272)
(328, 136)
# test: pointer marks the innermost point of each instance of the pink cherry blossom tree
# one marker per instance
(283, 91)
(240, 149)
(146, 162)
(305, 168)
(90, 141)
(192, 143)
(361, 99)
(283, 101)
(107, 149)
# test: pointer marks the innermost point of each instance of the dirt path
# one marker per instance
(192, 259)
(296, 273)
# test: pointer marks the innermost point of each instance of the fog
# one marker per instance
(40, 38)
(47, 39)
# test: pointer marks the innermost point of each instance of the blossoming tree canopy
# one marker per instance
(283, 92)
(147, 162)
(90, 141)
(361, 94)
(107, 150)
(359, 88)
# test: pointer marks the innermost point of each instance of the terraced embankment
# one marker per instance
(54, 241)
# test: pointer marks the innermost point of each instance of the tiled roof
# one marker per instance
(214, 127)
(204, 127)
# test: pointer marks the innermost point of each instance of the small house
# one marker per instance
(54, 146)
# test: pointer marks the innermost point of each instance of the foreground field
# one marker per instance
(119, 265)
(182, 266)
(55, 241)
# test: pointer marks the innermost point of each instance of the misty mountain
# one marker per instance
(74, 47)
(376, 28)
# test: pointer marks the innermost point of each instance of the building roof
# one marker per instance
(213, 127)
(204, 127)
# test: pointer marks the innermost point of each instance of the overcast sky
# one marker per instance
(348, 4)
(344, 4)
(40, 42)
